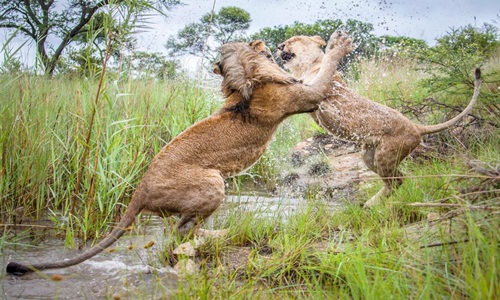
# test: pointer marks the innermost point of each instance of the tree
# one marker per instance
(451, 63)
(152, 65)
(55, 25)
(400, 47)
(213, 30)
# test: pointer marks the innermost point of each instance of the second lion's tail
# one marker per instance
(439, 127)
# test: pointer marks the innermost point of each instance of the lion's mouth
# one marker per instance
(286, 56)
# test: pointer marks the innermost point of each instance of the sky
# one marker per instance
(421, 19)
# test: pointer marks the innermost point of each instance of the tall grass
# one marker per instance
(44, 130)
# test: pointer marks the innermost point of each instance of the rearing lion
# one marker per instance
(186, 177)
(387, 135)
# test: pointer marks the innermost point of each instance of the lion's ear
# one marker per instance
(319, 40)
(217, 68)
(258, 45)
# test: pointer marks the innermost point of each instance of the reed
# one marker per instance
(46, 132)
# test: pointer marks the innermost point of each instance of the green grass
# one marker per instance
(392, 251)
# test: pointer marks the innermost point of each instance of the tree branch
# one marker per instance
(30, 12)
(451, 205)
(443, 244)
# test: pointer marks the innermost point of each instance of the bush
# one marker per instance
(451, 62)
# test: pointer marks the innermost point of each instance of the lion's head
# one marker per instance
(262, 49)
(245, 65)
(301, 51)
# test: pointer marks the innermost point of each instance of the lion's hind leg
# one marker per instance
(386, 159)
(200, 194)
(205, 193)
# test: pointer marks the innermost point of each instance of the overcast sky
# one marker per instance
(422, 19)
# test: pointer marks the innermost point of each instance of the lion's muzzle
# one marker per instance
(286, 56)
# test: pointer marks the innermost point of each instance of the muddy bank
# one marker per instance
(327, 167)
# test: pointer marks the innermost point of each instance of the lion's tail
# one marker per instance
(128, 218)
(439, 127)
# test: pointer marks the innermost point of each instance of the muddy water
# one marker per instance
(101, 277)
(125, 272)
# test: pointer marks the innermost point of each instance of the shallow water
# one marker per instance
(123, 272)
(100, 277)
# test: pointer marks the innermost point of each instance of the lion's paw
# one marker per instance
(340, 41)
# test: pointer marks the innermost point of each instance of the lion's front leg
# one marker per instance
(339, 45)
(306, 98)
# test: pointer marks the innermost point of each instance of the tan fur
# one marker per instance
(242, 69)
(186, 177)
(387, 135)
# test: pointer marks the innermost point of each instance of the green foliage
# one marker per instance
(276, 35)
(450, 67)
(156, 65)
(85, 55)
(213, 30)
(393, 47)
(402, 41)
(229, 23)
(451, 62)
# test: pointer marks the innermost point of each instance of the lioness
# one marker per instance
(387, 135)
(187, 176)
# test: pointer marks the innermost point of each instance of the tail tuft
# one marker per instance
(17, 269)
(477, 73)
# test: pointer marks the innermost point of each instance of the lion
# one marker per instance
(186, 177)
(386, 135)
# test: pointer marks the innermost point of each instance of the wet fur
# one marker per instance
(386, 134)
(186, 177)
